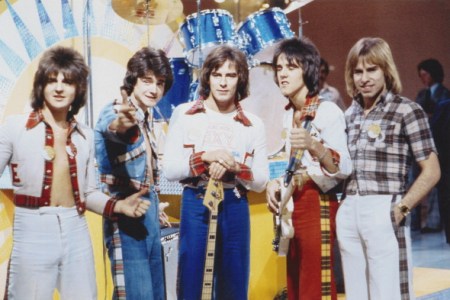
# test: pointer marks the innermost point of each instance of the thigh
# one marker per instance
(35, 256)
(233, 248)
(193, 231)
(77, 270)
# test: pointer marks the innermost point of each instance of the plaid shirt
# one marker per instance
(383, 144)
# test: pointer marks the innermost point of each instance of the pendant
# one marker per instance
(48, 153)
(374, 130)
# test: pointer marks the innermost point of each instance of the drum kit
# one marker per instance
(204, 30)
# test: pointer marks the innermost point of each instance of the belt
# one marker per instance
(36, 202)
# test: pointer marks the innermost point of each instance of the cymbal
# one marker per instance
(296, 4)
(151, 12)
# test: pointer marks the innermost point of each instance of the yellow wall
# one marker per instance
(267, 272)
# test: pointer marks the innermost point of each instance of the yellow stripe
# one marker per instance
(325, 248)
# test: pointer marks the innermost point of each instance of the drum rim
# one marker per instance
(207, 45)
(205, 11)
(262, 12)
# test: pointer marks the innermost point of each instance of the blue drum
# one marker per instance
(201, 33)
(262, 30)
(178, 93)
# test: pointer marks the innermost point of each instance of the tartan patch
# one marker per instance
(325, 228)
(403, 257)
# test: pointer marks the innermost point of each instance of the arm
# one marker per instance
(429, 176)
(176, 156)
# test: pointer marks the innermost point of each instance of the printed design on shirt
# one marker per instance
(218, 136)
(15, 175)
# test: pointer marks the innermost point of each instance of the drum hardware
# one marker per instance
(296, 4)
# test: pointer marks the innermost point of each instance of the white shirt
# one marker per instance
(210, 130)
(328, 126)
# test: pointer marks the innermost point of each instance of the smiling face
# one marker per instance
(59, 93)
(369, 80)
(148, 90)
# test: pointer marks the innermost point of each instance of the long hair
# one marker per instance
(433, 67)
(303, 52)
(71, 64)
(215, 59)
(144, 61)
(376, 51)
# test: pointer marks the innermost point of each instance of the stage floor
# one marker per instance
(431, 260)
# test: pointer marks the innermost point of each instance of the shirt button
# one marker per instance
(74, 174)
(46, 187)
(45, 203)
(76, 193)
(48, 171)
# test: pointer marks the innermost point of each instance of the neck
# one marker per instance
(222, 107)
(298, 100)
(55, 118)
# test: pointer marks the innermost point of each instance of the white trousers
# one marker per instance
(51, 249)
(370, 249)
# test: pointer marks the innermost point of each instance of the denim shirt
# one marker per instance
(122, 160)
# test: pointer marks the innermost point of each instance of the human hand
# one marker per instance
(126, 115)
(217, 170)
(223, 157)
(163, 217)
(133, 206)
(301, 139)
(272, 194)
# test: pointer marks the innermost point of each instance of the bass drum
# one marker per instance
(200, 33)
(261, 31)
(267, 102)
(178, 93)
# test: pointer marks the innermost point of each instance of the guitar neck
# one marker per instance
(213, 197)
(208, 273)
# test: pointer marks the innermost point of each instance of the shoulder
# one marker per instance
(327, 113)
(256, 121)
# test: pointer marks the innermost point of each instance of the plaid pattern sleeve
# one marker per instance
(198, 166)
(245, 173)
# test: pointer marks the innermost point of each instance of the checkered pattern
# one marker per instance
(403, 257)
(381, 161)
(117, 270)
(325, 228)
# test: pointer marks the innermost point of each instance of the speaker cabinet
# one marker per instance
(169, 242)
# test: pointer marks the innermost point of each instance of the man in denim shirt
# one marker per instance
(126, 155)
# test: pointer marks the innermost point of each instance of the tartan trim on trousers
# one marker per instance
(325, 229)
(403, 257)
(118, 276)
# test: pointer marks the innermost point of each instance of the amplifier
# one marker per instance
(169, 243)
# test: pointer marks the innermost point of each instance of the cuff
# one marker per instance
(245, 174)
(108, 211)
(336, 160)
(197, 165)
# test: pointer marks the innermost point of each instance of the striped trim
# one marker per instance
(325, 229)
(118, 275)
(403, 257)
(131, 154)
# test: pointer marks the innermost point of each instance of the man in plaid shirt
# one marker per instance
(386, 132)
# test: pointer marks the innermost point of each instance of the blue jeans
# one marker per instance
(140, 243)
(232, 258)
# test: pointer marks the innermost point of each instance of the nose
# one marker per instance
(364, 76)
(223, 81)
(59, 86)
